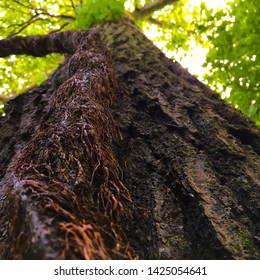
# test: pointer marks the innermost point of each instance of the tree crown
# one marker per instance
(230, 35)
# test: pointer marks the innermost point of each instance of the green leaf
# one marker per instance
(95, 11)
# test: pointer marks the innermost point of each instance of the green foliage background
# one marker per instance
(231, 34)
(234, 56)
(97, 10)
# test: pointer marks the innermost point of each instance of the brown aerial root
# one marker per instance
(69, 166)
(88, 241)
(112, 195)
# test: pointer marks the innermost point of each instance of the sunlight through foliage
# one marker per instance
(218, 41)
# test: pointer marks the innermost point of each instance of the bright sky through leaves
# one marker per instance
(194, 60)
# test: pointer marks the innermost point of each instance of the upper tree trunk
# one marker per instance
(147, 162)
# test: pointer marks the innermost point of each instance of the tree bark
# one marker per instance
(126, 157)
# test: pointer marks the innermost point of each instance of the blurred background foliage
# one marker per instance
(218, 41)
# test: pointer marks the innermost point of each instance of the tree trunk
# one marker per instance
(129, 157)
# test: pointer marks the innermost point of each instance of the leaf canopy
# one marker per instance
(94, 11)
(233, 60)
(178, 27)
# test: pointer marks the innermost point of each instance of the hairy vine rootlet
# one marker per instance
(64, 186)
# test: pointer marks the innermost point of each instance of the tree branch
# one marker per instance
(4, 98)
(22, 4)
(23, 25)
(150, 8)
(41, 11)
(35, 14)
(64, 42)
(60, 28)
(73, 6)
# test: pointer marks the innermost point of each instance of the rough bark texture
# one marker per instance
(142, 162)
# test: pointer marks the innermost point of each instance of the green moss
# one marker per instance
(247, 240)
